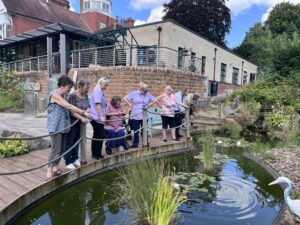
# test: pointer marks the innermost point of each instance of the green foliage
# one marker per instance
(11, 90)
(12, 148)
(148, 192)
(7, 102)
(284, 18)
(210, 18)
(249, 113)
(261, 148)
(234, 130)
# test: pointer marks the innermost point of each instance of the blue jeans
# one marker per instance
(135, 125)
(72, 137)
(115, 134)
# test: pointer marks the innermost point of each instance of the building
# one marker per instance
(195, 53)
(46, 35)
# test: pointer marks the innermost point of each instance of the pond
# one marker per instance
(241, 196)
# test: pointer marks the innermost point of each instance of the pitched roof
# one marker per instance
(47, 12)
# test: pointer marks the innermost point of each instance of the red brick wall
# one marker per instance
(22, 24)
(124, 80)
(222, 86)
(93, 19)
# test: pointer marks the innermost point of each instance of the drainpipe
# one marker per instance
(215, 61)
(242, 73)
(159, 29)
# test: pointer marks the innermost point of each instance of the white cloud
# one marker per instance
(236, 6)
(146, 4)
(239, 6)
(72, 3)
(156, 14)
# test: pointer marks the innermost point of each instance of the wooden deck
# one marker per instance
(12, 187)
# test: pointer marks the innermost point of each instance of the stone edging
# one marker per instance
(114, 161)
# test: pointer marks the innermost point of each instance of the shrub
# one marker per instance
(11, 147)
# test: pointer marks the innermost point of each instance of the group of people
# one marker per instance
(106, 118)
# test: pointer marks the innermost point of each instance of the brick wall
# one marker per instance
(124, 80)
(22, 24)
(93, 20)
(222, 86)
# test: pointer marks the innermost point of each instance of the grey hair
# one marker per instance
(103, 80)
(84, 83)
(143, 86)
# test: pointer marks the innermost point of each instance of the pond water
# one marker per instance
(241, 197)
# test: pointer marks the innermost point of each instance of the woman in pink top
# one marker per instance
(168, 103)
(113, 126)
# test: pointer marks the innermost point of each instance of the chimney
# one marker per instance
(129, 22)
(62, 3)
(81, 6)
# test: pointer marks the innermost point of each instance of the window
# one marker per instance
(193, 57)
(245, 77)
(105, 7)
(102, 25)
(146, 56)
(3, 31)
(87, 5)
(180, 58)
(203, 65)
(235, 75)
(252, 77)
(223, 72)
(97, 5)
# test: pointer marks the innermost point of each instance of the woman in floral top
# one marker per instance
(80, 99)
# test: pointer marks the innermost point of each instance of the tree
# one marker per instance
(284, 18)
(209, 18)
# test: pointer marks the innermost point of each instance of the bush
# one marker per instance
(12, 148)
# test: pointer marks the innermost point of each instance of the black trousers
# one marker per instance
(178, 121)
(99, 132)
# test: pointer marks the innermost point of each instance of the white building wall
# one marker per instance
(174, 36)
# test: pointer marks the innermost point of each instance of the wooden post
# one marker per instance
(188, 124)
(145, 133)
(83, 160)
(220, 112)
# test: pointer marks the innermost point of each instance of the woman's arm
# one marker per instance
(180, 103)
(62, 102)
(127, 102)
(157, 101)
(99, 110)
(77, 116)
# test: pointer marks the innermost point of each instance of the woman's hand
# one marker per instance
(84, 120)
(103, 119)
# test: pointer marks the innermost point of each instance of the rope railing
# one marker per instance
(165, 114)
(38, 137)
(151, 128)
(43, 165)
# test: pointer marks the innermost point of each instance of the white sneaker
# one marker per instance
(70, 167)
(77, 163)
(121, 149)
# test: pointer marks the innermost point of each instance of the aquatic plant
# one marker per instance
(193, 181)
(150, 195)
(208, 151)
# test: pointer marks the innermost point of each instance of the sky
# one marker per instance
(244, 13)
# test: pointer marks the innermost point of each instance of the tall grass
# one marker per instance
(7, 102)
(208, 151)
(234, 130)
(150, 195)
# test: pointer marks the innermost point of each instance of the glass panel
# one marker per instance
(223, 72)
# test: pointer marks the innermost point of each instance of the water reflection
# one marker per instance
(241, 196)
